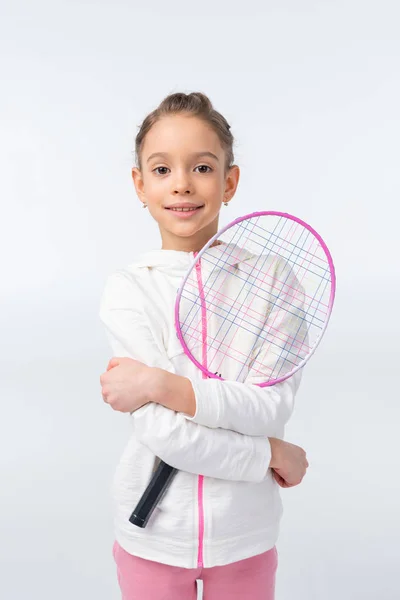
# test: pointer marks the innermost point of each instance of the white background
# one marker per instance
(311, 90)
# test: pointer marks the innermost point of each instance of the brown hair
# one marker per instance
(195, 104)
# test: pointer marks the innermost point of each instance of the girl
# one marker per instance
(200, 529)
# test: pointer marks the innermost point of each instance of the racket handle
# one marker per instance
(152, 495)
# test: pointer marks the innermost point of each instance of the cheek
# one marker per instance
(212, 189)
(155, 192)
(153, 186)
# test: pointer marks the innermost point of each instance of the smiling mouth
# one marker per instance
(184, 209)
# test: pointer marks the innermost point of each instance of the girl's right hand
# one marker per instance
(288, 463)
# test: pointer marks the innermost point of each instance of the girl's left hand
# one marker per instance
(126, 385)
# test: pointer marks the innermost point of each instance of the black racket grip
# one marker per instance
(152, 495)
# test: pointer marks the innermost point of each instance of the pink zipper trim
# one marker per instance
(201, 520)
(200, 486)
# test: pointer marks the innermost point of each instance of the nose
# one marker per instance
(182, 183)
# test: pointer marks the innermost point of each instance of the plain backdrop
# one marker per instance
(311, 90)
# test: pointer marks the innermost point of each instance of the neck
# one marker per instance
(189, 244)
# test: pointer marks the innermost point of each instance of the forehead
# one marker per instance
(181, 134)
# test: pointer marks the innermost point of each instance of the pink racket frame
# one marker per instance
(205, 248)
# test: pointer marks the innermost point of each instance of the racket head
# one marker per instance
(258, 303)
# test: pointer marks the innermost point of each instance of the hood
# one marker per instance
(178, 260)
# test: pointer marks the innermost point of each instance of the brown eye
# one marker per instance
(204, 166)
(156, 169)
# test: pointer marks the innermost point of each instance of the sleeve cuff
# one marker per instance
(260, 465)
(208, 402)
(140, 412)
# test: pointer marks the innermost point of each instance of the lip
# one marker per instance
(184, 205)
(184, 214)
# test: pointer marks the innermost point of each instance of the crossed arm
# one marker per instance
(182, 415)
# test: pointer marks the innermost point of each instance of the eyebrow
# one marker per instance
(194, 154)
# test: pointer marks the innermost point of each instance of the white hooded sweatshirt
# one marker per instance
(223, 505)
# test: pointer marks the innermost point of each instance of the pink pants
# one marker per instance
(249, 579)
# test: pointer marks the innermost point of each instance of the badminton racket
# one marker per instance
(255, 302)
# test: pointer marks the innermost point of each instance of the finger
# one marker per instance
(112, 363)
(278, 479)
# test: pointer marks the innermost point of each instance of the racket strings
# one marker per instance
(240, 357)
(253, 314)
(256, 341)
(315, 260)
(216, 320)
(248, 309)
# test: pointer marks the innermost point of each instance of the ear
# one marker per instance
(138, 183)
(231, 182)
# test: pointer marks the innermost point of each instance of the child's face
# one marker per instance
(180, 176)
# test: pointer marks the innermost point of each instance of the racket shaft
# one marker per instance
(152, 495)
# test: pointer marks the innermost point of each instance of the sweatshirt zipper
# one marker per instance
(200, 481)
(200, 485)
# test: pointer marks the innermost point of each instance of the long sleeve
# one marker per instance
(179, 442)
(244, 406)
